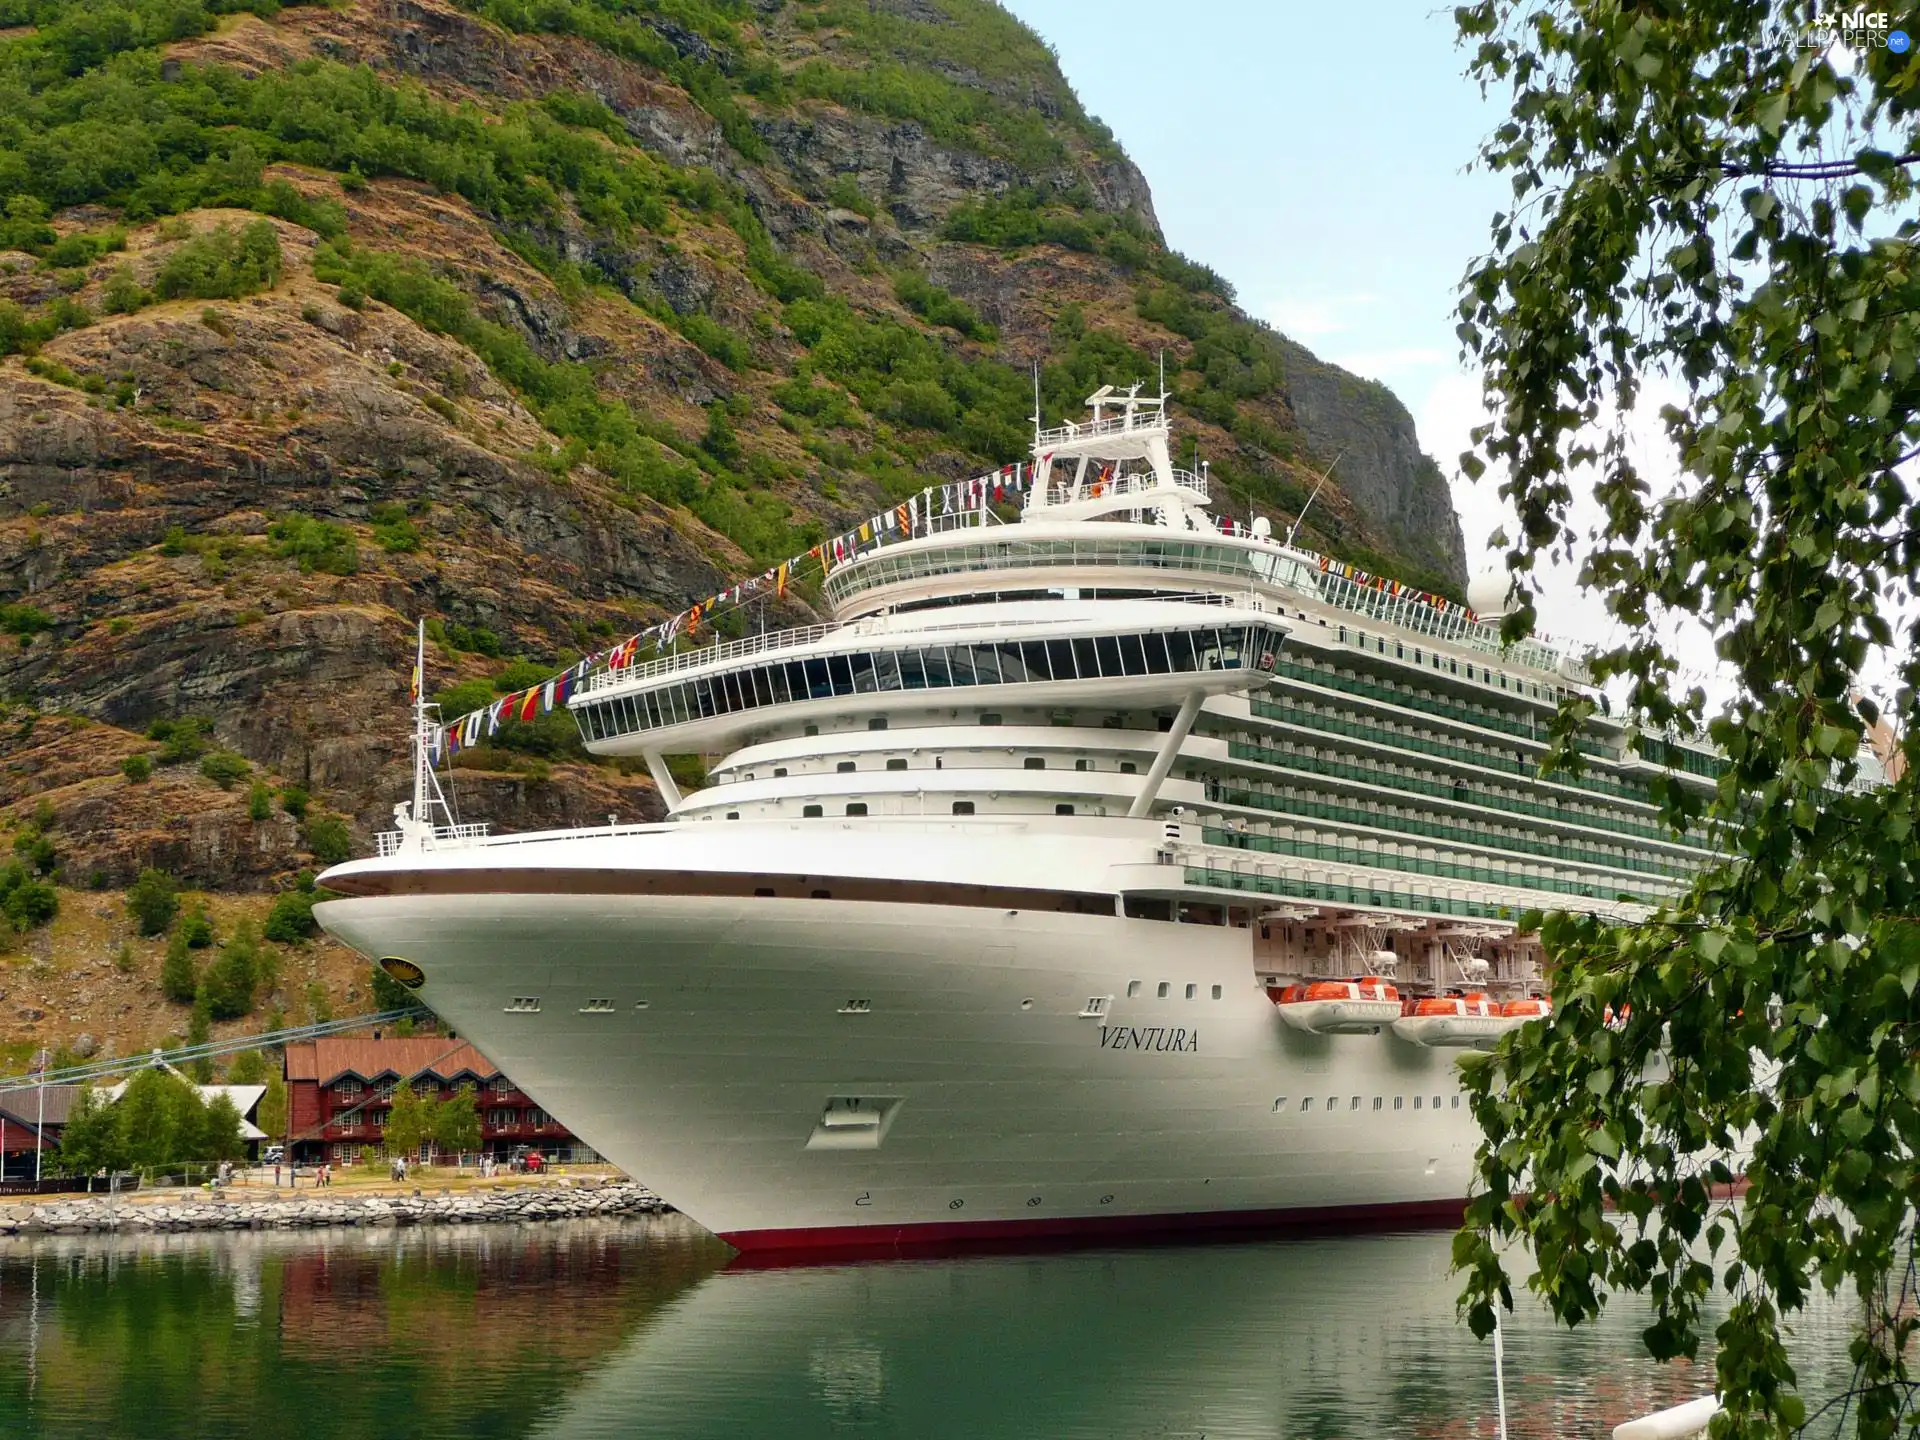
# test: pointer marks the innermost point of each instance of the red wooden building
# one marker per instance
(340, 1089)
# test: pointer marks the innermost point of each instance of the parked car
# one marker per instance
(272, 1154)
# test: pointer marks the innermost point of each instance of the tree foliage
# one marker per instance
(409, 1122)
(153, 900)
(456, 1123)
(179, 979)
(1701, 200)
(158, 1122)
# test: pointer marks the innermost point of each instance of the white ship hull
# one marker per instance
(721, 1050)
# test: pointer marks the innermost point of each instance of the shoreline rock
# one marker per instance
(100, 1214)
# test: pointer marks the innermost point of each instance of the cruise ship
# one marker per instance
(1102, 866)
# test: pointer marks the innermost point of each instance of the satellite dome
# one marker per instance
(1491, 592)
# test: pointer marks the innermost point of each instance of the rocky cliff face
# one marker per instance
(539, 324)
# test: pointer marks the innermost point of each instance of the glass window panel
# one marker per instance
(1013, 665)
(819, 684)
(1206, 649)
(842, 673)
(934, 658)
(1060, 657)
(763, 686)
(703, 697)
(1084, 657)
(960, 658)
(1034, 652)
(913, 674)
(736, 698)
(1180, 650)
(863, 681)
(1132, 658)
(986, 664)
(1155, 647)
(652, 703)
(1109, 655)
(886, 670)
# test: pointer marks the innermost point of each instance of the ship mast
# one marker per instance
(416, 824)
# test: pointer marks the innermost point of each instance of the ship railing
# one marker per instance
(389, 842)
(605, 680)
(1143, 484)
(1145, 418)
(708, 655)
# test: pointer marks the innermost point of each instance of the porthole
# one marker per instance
(1192, 991)
(1133, 988)
(1165, 990)
(811, 812)
(1026, 1004)
(1216, 992)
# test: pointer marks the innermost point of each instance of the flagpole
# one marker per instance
(40, 1123)
(419, 813)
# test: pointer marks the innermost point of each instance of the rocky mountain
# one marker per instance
(539, 321)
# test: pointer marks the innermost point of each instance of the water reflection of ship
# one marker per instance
(1332, 1338)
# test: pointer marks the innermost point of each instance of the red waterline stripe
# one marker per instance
(855, 1240)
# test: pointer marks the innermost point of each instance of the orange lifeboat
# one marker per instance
(1531, 1007)
(1339, 1007)
(1454, 1020)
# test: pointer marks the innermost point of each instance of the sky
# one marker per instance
(1323, 164)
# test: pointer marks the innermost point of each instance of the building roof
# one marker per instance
(23, 1106)
(327, 1059)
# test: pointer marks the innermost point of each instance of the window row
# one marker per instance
(932, 667)
(349, 1088)
(1308, 1103)
(1165, 990)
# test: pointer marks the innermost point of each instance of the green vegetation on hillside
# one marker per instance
(89, 114)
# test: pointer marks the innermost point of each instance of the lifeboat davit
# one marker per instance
(1455, 1020)
(1339, 1007)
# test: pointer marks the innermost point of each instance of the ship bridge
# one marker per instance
(1117, 462)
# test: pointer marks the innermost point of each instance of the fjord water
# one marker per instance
(652, 1328)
